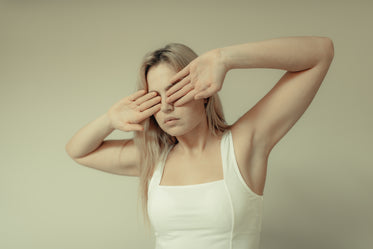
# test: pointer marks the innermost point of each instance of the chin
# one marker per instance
(177, 131)
(174, 130)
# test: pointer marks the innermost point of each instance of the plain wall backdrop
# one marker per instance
(65, 63)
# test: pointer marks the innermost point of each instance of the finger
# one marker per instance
(149, 103)
(146, 97)
(185, 99)
(181, 74)
(179, 93)
(151, 111)
(176, 87)
(137, 94)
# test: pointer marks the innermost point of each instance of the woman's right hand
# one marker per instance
(129, 112)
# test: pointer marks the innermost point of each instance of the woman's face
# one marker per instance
(179, 120)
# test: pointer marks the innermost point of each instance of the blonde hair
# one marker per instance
(153, 141)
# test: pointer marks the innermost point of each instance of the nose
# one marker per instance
(166, 107)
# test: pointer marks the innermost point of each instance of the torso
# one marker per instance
(207, 167)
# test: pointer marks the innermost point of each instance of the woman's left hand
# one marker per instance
(201, 78)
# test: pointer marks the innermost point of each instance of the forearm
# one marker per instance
(287, 53)
(90, 137)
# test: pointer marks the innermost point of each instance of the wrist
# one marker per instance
(223, 54)
(107, 121)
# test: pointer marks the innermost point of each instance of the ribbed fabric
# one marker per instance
(223, 214)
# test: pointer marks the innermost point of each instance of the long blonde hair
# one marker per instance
(153, 141)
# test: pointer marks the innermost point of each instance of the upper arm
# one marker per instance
(113, 156)
(277, 112)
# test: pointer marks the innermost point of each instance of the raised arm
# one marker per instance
(88, 147)
(306, 60)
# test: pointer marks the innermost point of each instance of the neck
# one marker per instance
(195, 141)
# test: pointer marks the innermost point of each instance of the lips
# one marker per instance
(170, 119)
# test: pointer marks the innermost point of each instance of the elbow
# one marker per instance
(69, 151)
(328, 49)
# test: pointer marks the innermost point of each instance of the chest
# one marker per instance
(188, 170)
(204, 207)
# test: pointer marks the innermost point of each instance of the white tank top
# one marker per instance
(222, 214)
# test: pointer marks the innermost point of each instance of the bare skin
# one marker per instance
(88, 147)
(306, 61)
(193, 160)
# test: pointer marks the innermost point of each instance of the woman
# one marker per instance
(202, 180)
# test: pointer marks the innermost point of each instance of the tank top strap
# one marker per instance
(156, 178)
(226, 141)
(232, 172)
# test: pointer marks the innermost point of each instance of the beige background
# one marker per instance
(64, 63)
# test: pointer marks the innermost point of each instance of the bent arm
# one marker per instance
(88, 148)
(306, 59)
(90, 137)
